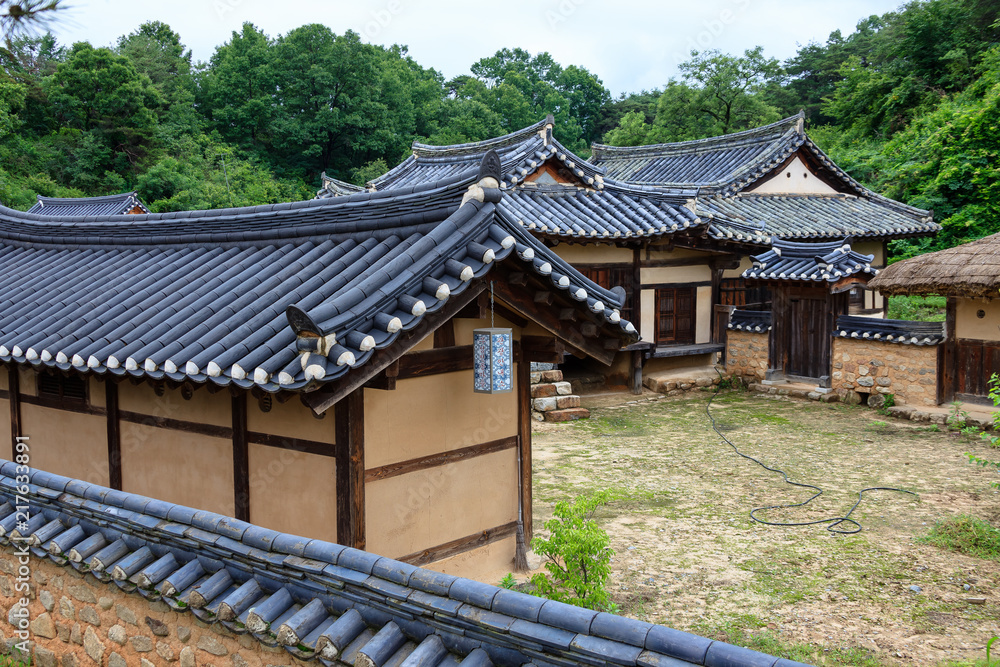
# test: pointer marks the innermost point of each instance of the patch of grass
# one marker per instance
(14, 661)
(740, 631)
(966, 534)
(771, 419)
(921, 308)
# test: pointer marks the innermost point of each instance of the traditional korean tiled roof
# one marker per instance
(208, 296)
(903, 332)
(752, 321)
(715, 162)
(334, 188)
(521, 154)
(320, 601)
(84, 206)
(811, 262)
(821, 216)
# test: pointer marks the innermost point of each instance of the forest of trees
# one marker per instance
(909, 104)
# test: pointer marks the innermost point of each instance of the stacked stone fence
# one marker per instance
(863, 366)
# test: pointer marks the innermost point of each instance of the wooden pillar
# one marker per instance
(241, 456)
(524, 445)
(636, 296)
(349, 413)
(114, 433)
(948, 357)
(14, 385)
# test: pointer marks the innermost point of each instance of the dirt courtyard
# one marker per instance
(687, 554)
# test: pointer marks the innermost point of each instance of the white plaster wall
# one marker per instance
(795, 178)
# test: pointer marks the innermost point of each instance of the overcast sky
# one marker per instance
(630, 45)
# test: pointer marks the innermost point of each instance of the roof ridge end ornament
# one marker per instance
(546, 131)
(487, 186)
(800, 124)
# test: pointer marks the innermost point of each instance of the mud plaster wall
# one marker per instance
(747, 354)
(293, 492)
(908, 372)
(185, 468)
(795, 178)
(77, 621)
(67, 443)
(593, 254)
(968, 324)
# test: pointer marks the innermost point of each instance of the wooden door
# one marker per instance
(809, 337)
(675, 316)
(977, 361)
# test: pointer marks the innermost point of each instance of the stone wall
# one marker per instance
(908, 372)
(77, 622)
(747, 354)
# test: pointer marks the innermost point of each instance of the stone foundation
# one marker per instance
(747, 354)
(553, 400)
(908, 372)
(76, 622)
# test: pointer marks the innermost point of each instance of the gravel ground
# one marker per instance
(688, 555)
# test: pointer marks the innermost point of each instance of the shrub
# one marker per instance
(577, 553)
(966, 534)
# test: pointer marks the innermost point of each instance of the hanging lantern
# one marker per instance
(493, 360)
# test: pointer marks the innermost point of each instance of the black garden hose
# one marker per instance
(835, 522)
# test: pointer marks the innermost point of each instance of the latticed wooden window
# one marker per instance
(70, 388)
(613, 276)
(734, 292)
(675, 315)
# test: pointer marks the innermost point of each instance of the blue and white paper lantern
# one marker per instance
(493, 360)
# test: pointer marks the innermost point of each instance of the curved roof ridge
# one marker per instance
(363, 211)
(474, 147)
(100, 199)
(752, 135)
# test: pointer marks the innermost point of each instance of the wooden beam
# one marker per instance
(293, 444)
(14, 387)
(636, 295)
(241, 457)
(461, 545)
(567, 315)
(524, 447)
(386, 380)
(444, 335)
(440, 459)
(350, 455)
(546, 349)
(323, 399)
(544, 298)
(210, 430)
(435, 362)
(636, 358)
(550, 322)
(114, 434)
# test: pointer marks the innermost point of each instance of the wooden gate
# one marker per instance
(802, 320)
(977, 360)
(809, 338)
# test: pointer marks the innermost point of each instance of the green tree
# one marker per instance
(730, 86)
(101, 95)
(156, 51)
(238, 88)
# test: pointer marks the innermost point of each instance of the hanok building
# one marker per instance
(676, 224)
(307, 367)
(969, 276)
(127, 203)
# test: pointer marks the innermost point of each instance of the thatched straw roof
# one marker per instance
(969, 270)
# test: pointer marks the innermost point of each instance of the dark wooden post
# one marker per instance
(524, 444)
(241, 457)
(948, 358)
(636, 296)
(349, 413)
(114, 434)
(14, 385)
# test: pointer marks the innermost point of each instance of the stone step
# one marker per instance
(551, 389)
(567, 415)
(546, 376)
(547, 403)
